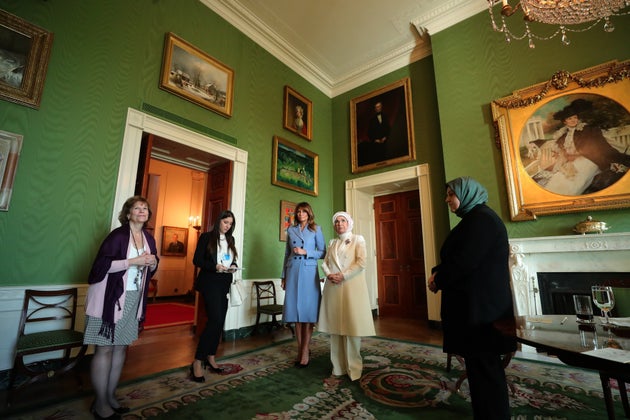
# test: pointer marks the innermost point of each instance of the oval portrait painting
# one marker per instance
(577, 144)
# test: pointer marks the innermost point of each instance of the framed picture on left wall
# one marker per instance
(24, 53)
(10, 148)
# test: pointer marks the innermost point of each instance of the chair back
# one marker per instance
(48, 310)
(265, 293)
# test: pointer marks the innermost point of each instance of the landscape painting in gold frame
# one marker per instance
(190, 73)
(566, 142)
(294, 167)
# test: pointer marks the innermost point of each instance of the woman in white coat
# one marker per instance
(345, 311)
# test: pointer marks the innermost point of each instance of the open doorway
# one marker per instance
(139, 124)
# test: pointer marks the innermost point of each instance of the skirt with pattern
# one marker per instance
(126, 330)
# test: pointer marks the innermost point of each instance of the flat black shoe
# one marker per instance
(121, 410)
(114, 416)
(302, 366)
(196, 378)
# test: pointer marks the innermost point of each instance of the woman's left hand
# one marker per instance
(335, 278)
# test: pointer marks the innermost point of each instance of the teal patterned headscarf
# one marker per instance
(469, 192)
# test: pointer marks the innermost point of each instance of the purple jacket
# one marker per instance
(108, 276)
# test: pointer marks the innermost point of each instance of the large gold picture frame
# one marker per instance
(24, 53)
(190, 73)
(381, 127)
(566, 142)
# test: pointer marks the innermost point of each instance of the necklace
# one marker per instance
(140, 269)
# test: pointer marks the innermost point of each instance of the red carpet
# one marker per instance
(168, 314)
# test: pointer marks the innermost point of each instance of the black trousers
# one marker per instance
(488, 387)
(214, 295)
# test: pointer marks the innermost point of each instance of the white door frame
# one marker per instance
(138, 123)
(360, 193)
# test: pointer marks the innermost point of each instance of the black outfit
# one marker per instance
(475, 281)
(214, 287)
(372, 151)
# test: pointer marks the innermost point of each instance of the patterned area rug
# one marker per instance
(401, 380)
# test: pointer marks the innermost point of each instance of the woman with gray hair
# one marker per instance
(345, 311)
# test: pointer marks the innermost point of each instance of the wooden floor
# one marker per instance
(172, 347)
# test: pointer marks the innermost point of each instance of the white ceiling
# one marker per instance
(338, 45)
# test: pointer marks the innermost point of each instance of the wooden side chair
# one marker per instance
(47, 325)
(267, 304)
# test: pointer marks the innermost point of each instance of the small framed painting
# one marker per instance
(294, 167)
(174, 241)
(10, 148)
(298, 114)
(287, 217)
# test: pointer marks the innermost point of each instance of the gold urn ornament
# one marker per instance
(590, 226)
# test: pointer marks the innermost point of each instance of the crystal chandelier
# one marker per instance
(586, 13)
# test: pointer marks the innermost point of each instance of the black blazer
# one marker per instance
(474, 277)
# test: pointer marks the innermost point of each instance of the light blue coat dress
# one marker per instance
(301, 274)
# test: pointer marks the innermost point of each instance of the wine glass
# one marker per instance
(604, 299)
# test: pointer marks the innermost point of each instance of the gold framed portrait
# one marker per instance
(566, 142)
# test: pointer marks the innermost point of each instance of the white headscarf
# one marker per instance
(345, 216)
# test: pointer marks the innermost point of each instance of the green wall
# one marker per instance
(473, 66)
(106, 57)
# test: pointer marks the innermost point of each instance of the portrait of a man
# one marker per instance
(174, 241)
(382, 128)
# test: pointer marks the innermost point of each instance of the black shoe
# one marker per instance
(212, 368)
(114, 416)
(302, 365)
(121, 410)
(196, 378)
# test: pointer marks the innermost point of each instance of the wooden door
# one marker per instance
(400, 256)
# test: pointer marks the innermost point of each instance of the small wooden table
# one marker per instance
(562, 336)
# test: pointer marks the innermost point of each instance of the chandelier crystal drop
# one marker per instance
(565, 14)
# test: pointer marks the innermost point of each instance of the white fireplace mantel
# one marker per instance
(608, 252)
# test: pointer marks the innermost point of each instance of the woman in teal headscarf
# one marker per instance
(474, 278)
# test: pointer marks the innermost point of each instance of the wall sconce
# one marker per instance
(195, 222)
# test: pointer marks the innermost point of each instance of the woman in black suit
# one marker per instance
(474, 278)
(215, 255)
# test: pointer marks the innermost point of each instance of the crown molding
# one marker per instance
(444, 15)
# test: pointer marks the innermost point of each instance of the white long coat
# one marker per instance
(345, 307)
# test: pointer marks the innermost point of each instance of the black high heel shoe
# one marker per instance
(212, 368)
(195, 378)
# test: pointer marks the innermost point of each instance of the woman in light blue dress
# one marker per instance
(300, 278)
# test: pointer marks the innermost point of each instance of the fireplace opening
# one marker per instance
(557, 289)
